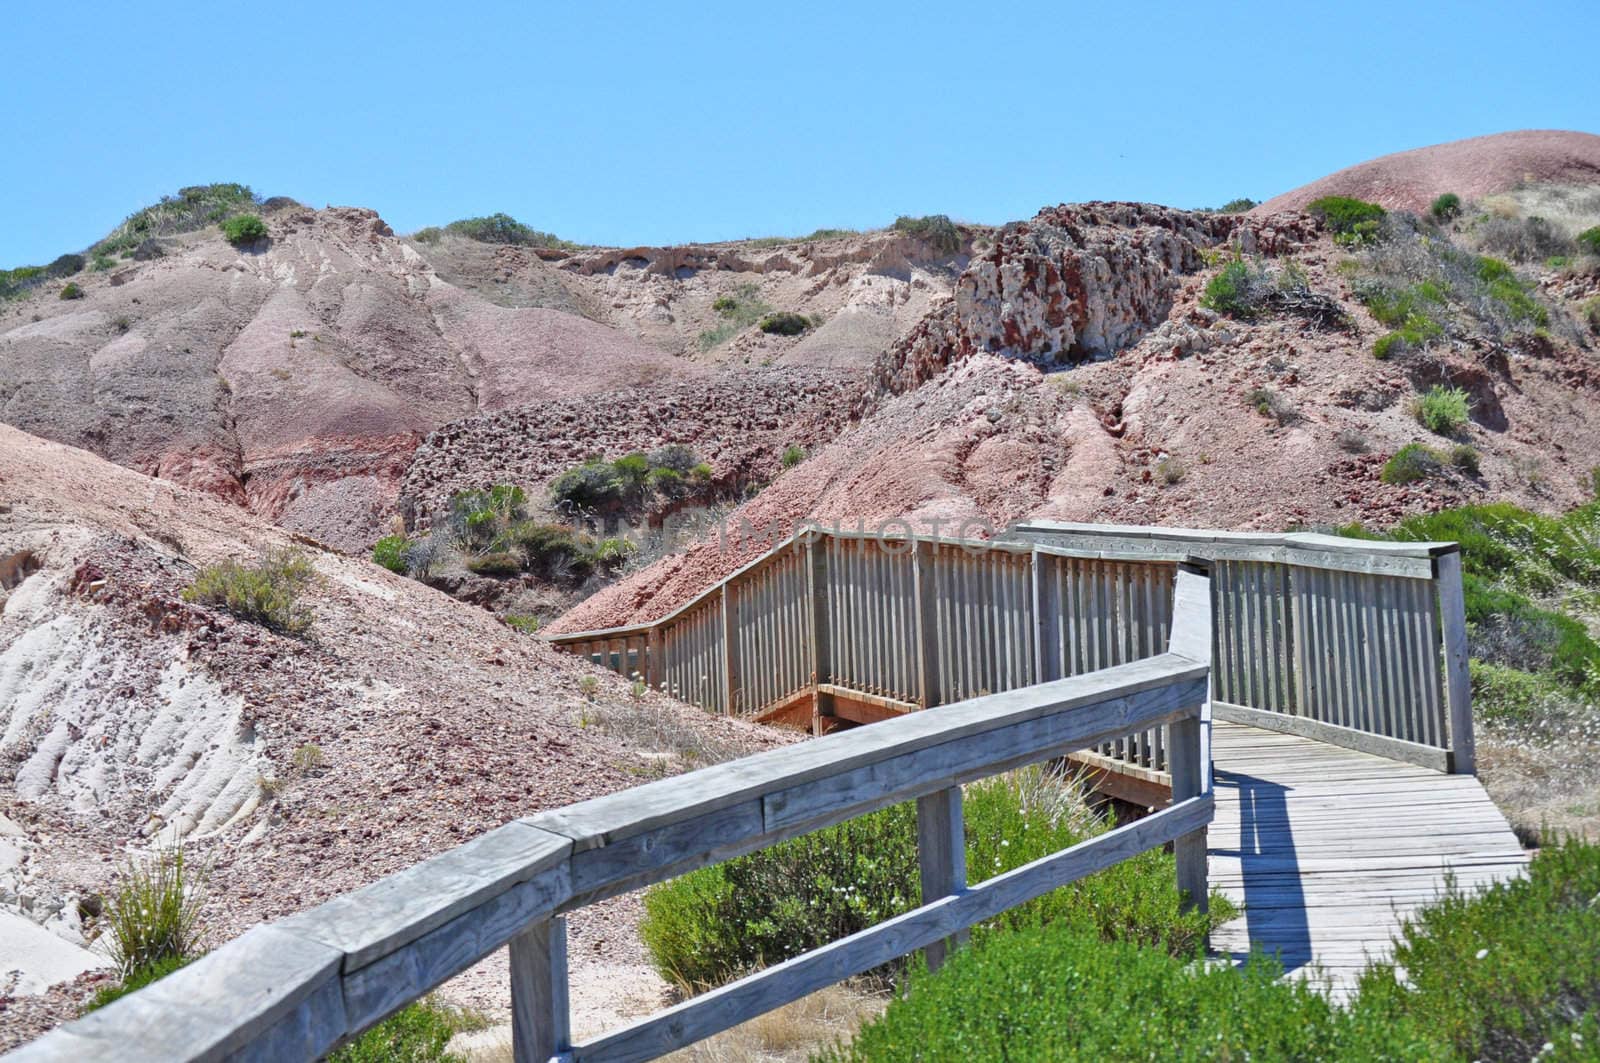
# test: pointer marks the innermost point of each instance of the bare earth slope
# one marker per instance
(1472, 169)
(1075, 375)
(130, 715)
(296, 376)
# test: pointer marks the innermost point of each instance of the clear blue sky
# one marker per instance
(652, 123)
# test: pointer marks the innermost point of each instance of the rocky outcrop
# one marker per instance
(1074, 283)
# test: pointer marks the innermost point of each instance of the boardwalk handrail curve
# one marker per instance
(298, 987)
(1349, 641)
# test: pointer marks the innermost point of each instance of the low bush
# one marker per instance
(740, 309)
(603, 487)
(1589, 240)
(135, 981)
(194, 207)
(498, 565)
(713, 925)
(1411, 463)
(417, 1033)
(64, 266)
(1352, 221)
(1237, 206)
(391, 551)
(1443, 410)
(504, 229)
(792, 455)
(70, 290)
(1466, 459)
(1245, 290)
(1590, 311)
(241, 230)
(1530, 239)
(153, 919)
(266, 593)
(479, 517)
(1269, 403)
(935, 230)
(430, 234)
(1446, 208)
(784, 323)
(1510, 973)
(528, 625)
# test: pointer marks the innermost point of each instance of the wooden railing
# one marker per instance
(1358, 643)
(297, 988)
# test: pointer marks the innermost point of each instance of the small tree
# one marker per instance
(1447, 207)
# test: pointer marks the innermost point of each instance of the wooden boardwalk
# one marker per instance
(1327, 849)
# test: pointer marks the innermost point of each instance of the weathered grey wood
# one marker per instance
(1458, 683)
(1188, 781)
(1350, 738)
(942, 858)
(730, 648)
(375, 920)
(266, 995)
(540, 1013)
(732, 1004)
(608, 819)
(387, 984)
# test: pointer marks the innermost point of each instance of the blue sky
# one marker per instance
(635, 123)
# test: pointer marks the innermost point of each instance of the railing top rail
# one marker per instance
(296, 987)
(1145, 542)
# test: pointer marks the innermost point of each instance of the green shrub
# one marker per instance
(192, 208)
(528, 625)
(417, 1033)
(479, 517)
(266, 593)
(430, 234)
(1443, 411)
(784, 323)
(553, 551)
(1057, 993)
(1499, 974)
(1352, 221)
(1590, 311)
(391, 552)
(498, 565)
(1508, 974)
(739, 310)
(64, 266)
(136, 980)
(1446, 208)
(793, 455)
(601, 486)
(70, 290)
(713, 925)
(591, 486)
(1589, 240)
(153, 919)
(935, 230)
(724, 304)
(1269, 403)
(1466, 459)
(1237, 206)
(103, 263)
(1229, 292)
(1411, 463)
(244, 229)
(1388, 345)
(504, 229)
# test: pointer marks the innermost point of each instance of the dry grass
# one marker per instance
(791, 1034)
(656, 729)
(1570, 208)
(1544, 773)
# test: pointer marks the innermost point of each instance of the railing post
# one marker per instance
(1047, 663)
(1185, 755)
(1458, 681)
(817, 593)
(653, 671)
(927, 624)
(730, 650)
(942, 854)
(540, 1016)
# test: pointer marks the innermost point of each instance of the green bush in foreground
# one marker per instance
(1411, 463)
(1589, 240)
(244, 229)
(266, 593)
(713, 925)
(390, 552)
(153, 920)
(417, 1033)
(1496, 976)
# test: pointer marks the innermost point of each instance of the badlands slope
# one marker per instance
(128, 716)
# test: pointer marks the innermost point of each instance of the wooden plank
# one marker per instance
(375, 920)
(1365, 742)
(540, 1013)
(775, 986)
(267, 994)
(927, 625)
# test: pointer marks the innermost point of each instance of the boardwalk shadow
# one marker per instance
(1275, 908)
